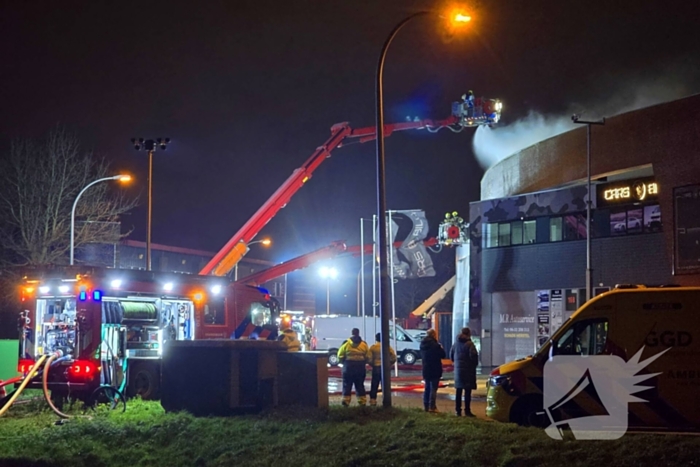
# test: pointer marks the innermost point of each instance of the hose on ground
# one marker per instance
(24, 384)
(45, 385)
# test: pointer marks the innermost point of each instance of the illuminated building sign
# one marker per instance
(628, 192)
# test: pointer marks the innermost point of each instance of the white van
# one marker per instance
(328, 332)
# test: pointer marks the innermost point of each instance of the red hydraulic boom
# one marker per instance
(333, 250)
(463, 115)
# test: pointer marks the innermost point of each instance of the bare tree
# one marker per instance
(39, 181)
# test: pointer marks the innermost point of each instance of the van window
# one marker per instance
(584, 338)
(400, 336)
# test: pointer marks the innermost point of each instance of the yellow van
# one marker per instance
(619, 322)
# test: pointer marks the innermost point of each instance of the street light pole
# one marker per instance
(384, 285)
(328, 274)
(150, 146)
(123, 178)
(589, 270)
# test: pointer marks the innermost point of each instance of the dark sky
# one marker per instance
(248, 89)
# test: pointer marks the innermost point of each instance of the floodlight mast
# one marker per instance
(464, 115)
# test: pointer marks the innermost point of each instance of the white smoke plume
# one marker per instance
(492, 145)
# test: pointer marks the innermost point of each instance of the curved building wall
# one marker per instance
(665, 137)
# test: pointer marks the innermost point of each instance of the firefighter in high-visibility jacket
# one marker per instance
(376, 351)
(289, 337)
(354, 354)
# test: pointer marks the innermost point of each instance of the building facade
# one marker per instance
(524, 270)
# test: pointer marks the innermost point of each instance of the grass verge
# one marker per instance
(147, 436)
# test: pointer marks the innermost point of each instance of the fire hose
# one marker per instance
(24, 384)
(45, 384)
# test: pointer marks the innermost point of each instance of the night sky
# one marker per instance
(248, 89)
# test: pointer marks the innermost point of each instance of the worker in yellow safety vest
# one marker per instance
(289, 337)
(354, 354)
(376, 351)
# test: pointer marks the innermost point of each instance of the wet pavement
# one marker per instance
(408, 391)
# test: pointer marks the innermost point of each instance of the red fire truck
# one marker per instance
(111, 326)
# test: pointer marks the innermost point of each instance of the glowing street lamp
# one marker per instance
(456, 19)
(265, 242)
(121, 178)
(328, 274)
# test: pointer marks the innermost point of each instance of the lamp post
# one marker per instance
(265, 242)
(150, 146)
(589, 270)
(360, 283)
(384, 283)
(328, 274)
(121, 178)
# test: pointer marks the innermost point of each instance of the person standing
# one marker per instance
(354, 354)
(289, 337)
(376, 351)
(432, 354)
(466, 358)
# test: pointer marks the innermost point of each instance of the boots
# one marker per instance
(458, 412)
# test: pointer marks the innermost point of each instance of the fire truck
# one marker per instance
(109, 328)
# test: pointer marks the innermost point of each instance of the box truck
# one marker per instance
(328, 332)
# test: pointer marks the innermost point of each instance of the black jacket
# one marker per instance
(432, 354)
(466, 359)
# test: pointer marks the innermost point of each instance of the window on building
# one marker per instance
(570, 227)
(530, 232)
(652, 218)
(635, 219)
(490, 235)
(504, 234)
(618, 222)
(516, 233)
(555, 229)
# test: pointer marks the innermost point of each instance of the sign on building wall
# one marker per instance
(627, 192)
(514, 326)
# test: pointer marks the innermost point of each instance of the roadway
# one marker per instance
(408, 391)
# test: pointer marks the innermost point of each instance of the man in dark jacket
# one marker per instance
(432, 354)
(466, 358)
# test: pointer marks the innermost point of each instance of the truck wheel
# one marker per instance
(409, 358)
(529, 412)
(333, 357)
(144, 381)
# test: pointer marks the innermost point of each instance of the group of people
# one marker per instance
(354, 354)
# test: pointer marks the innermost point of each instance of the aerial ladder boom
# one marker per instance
(463, 116)
(428, 306)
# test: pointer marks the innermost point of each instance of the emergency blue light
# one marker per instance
(97, 295)
(83, 296)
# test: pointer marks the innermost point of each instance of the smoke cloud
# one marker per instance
(491, 145)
